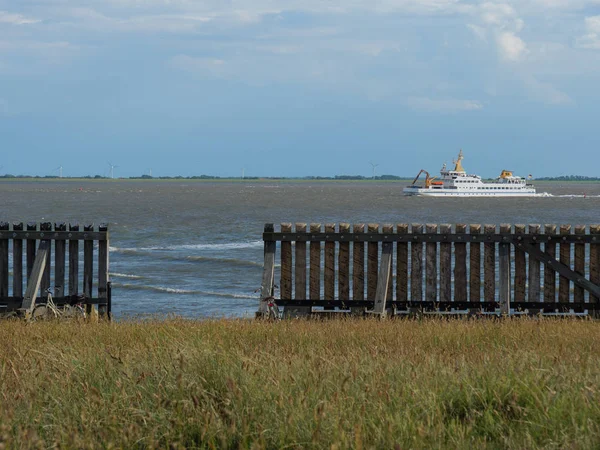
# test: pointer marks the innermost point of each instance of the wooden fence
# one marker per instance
(431, 268)
(26, 260)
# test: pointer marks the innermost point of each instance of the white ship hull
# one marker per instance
(435, 192)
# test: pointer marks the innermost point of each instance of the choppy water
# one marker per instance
(194, 248)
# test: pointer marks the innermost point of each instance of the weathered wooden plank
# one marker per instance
(88, 267)
(383, 281)
(401, 265)
(18, 262)
(344, 265)
(504, 277)
(73, 263)
(31, 226)
(372, 262)
(299, 277)
(388, 229)
(4, 263)
(33, 284)
(460, 266)
(358, 268)
(315, 265)
(520, 269)
(595, 267)
(416, 267)
(266, 289)
(102, 271)
(475, 266)
(578, 292)
(489, 266)
(533, 294)
(445, 266)
(285, 281)
(549, 273)
(565, 258)
(53, 235)
(329, 275)
(46, 227)
(60, 253)
(358, 265)
(431, 278)
(562, 270)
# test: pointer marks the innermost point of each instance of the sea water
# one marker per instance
(194, 248)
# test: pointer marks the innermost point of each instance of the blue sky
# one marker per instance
(299, 87)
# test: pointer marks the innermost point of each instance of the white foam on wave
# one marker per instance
(126, 275)
(169, 290)
(224, 246)
(577, 196)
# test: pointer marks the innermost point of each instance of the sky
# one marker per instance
(299, 87)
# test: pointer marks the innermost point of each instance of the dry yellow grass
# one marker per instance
(298, 384)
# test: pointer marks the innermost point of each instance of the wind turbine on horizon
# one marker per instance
(112, 169)
(373, 165)
(59, 168)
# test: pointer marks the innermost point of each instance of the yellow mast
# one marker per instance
(458, 166)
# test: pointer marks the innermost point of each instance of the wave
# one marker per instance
(232, 261)
(126, 275)
(168, 290)
(577, 196)
(224, 246)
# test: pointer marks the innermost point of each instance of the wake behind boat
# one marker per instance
(457, 183)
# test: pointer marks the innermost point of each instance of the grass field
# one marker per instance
(299, 384)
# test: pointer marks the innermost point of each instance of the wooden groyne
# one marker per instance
(32, 248)
(387, 269)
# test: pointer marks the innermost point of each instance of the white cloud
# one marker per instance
(443, 105)
(510, 46)
(16, 19)
(479, 32)
(592, 37)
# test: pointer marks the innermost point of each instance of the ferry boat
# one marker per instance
(457, 183)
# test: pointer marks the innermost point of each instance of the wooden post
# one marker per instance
(460, 266)
(578, 294)
(384, 276)
(549, 273)
(31, 226)
(402, 265)
(445, 265)
(565, 258)
(372, 262)
(266, 290)
(315, 264)
(329, 275)
(299, 277)
(387, 230)
(595, 268)
(520, 268)
(18, 262)
(73, 264)
(60, 253)
(416, 269)
(475, 268)
(431, 265)
(344, 264)
(4, 262)
(102, 272)
(285, 282)
(489, 266)
(46, 227)
(88, 269)
(533, 295)
(504, 271)
(33, 285)
(358, 269)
